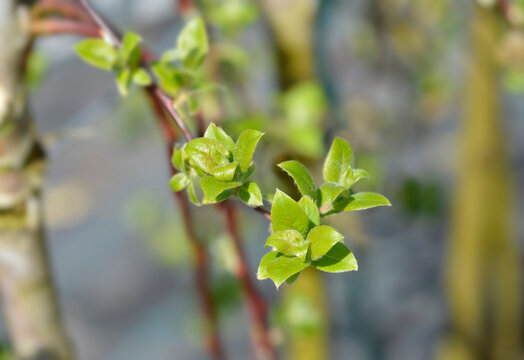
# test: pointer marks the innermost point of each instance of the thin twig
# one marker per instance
(262, 342)
(201, 259)
(263, 212)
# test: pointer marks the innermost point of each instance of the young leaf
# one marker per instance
(289, 242)
(226, 172)
(123, 81)
(213, 187)
(244, 176)
(361, 201)
(290, 280)
(338, 259)
(322, 239)
(215, 132)
(287, 214)
(131, 50)
(262, 268)
(245, 147)
(179, 182)
(301, 175)
(207, 154)
(250, 193)
(141, 77)
(283, 267)
(191, 191)
(338, 161)
(97, 53)
(192, 45)
(354, 175)
(178, 159)
(311, 210)
(327, 194)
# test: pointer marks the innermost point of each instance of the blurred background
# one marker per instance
(429, 94)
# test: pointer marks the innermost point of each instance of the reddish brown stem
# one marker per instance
(214, 343)
(257, 306)
(60, 26)
(263, 212)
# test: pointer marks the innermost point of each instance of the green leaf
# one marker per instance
(354, 175)
(207, 154)
(192, 45)
(141, 77)
(244, 176)
(283, 267)
(338, 259)
(338, 161)
(287, 214)
(245, 147)
(130, 50)
(123, 80)
(97, 52)
(322, 239)
(311, 210)
(250, 193)
(213, 188)
(178, 159)
(301, 175)
(179, 182)
(215, 132)
(226, 172)
(191, 192)
(171, 79)
(289, 242)
(262, 268)
(361, 201)
(327, 194)
(290, 280)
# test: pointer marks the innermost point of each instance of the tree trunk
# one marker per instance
(28, 299)
(483, 269)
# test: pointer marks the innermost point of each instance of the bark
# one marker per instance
(483, 279)
(28, 299)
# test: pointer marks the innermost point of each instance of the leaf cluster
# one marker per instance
(219, 165)
(298, 239)
(123, 61)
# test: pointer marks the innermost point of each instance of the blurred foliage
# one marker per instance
(163, 232)
(418, 197)
(36, 70)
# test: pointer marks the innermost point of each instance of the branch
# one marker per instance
(115, 39)
(201, 259)
(263, 212)
(257, 305)
(59, 26)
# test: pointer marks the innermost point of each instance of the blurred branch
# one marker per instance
(66, 9)
(59, 26)
(257, 306)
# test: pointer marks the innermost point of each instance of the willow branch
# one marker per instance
(201, 261)
(261, 339)
(262, 342)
